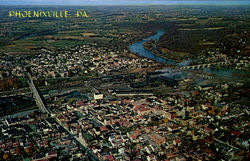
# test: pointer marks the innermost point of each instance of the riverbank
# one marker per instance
(138, 49)
(165, 53)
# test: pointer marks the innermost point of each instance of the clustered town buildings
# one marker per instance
(127, 128)
(84, 60)
(81, 60)
(198, 124)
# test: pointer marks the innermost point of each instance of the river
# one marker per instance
(138, 49)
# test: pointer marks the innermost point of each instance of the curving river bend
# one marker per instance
(138, 49)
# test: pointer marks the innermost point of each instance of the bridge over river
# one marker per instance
(199, 66)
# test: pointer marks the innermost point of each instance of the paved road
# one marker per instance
(45, 110)
(37, 95)
(92, 155)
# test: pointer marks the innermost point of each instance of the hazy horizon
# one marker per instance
(125, 2)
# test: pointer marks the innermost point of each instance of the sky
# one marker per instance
(124, 2)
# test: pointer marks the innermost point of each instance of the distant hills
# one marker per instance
(125, 2)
